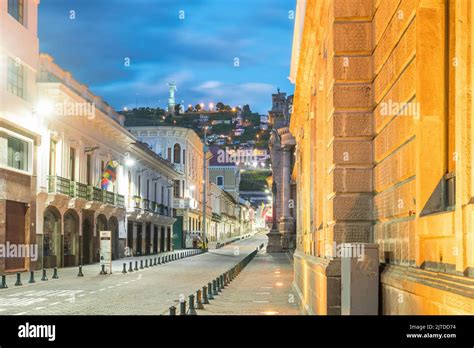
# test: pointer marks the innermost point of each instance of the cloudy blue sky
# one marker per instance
(197, 52)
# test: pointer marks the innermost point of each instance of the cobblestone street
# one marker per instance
(150, 291)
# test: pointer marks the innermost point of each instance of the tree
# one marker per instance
(190, 109)
(198, 107)
(220, 106)
(227, 108)
(177, 109)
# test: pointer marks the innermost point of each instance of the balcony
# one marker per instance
(59, 185)
(95, 194)
(74, 189)
(136, 201)
(79, 190)
(146, 204)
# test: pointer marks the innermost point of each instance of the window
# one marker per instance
(139, 184)
(177, 188)
(155, 192)
(169, 154)
(18, 153)
(148, 189)
(16, 9)
(72, 164)
(220, 181)
(15, 78)
(52, 157)
(162, 199)
(184, 156)
(177, 153)
(89, 170)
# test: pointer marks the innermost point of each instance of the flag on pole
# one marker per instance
(109, 174)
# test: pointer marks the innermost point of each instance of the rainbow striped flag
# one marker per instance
(109, 174)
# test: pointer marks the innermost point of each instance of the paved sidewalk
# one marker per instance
(262, 288)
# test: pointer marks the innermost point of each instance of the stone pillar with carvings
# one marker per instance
(287, 222)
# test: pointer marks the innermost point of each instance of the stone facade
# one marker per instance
(382, 118)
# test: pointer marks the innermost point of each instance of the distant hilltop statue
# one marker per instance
(171, 99)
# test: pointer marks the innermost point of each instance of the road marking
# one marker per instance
(260, 301)
(92, 292)
(21, 313)
(110, 287)
(82, 295)
(54, 303)
(126, 282)
(263, 293)
(266, 287)
(38, 308)
(102, 289)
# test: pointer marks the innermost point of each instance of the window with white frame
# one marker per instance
(220, 181)
(15, 151)
(16, 9)
(15, 78)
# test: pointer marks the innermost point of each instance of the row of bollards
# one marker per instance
(160, 260)
(148, 263)
(212, 289)
(32, 280)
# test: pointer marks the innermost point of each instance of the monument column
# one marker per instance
(274, 237)
(286, 225)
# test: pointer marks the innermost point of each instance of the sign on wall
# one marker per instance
(106, 249)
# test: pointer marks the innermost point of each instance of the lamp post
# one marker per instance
(204, 190)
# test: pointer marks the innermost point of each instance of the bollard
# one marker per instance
(154, 264)
(172, 310)
(55, 273)
(205, 300)
(159, 260)
(4, 282)
(141, 264)
(136, 266)
(210, 296)
(18, 279)
(219, 284)
(80, 274)
(191, 310)
(151, 262)
(182, 308)
(146, 263)
(102, 270)
(130, 268)
(124, 268)
(222, 281)
(44, 278)
(214, 288)
(32, 277)
(226, 279)
(199, 300)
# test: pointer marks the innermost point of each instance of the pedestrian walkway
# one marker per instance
(262, 288)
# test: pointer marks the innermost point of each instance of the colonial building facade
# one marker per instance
(95, 176)
(382, 118)
(182, 147)
(19, 124)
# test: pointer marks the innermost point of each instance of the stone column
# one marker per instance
(274, 237)
(286, 226)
